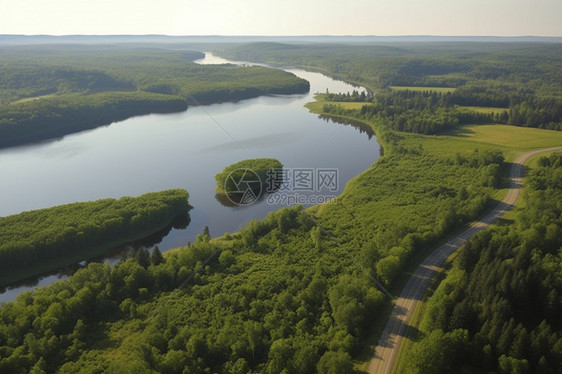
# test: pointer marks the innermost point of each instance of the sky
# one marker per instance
(282, 17)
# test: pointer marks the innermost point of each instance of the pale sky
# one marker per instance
(283, 17)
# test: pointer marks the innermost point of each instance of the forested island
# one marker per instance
(53, 90)
(264, 169)
(302, 291)
(42, 240)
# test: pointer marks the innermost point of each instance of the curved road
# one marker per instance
(397, 325)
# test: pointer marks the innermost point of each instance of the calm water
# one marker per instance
(183, 150)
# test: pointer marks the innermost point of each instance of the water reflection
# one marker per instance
(241, 199)
(362, 127)
(187, 149)
(113, 256)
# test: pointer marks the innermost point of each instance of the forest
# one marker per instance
(293, 292)
(505, 75)
(300, 291)
(56, 116)
(49, 91)
(409, 111)
(43, 240)
(499, 307)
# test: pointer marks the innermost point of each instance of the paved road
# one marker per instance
(397, 325)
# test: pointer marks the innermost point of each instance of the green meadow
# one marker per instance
(511, 140)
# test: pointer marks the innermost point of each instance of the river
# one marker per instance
(185, 150)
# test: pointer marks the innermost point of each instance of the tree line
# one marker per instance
(32, 238)
(430, 112)
(499, 307)
(523, 78)
(409, 111)
(55, 116)
(69, 89)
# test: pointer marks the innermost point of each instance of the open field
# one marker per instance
(319, 102)
(511, 140)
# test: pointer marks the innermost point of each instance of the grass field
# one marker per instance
(319, 102)
(422, 89)
(511, 140)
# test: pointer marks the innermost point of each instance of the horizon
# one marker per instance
(507, 18)
(300, 35)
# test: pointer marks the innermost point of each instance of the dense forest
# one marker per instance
(410, 111)
(293, 292)
(33, 240)
(54, 116)
(48, 91)
(505, 75)
(499, 307)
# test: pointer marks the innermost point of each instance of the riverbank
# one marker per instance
(75, 88)
(309, 275)
(157, 152)
(40, 241)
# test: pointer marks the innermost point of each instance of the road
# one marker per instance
(397, 326)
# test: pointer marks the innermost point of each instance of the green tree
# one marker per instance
(335, 363)
(143, 257)
(156, 257)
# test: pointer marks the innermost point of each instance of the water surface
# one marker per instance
(184, 150)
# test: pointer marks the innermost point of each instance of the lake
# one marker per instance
(185, 150)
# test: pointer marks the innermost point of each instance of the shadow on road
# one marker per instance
(412, 333)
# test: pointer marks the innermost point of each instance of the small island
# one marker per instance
(245, 181)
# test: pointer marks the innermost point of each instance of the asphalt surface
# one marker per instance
(397, 326)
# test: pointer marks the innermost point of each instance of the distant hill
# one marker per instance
(112, 39)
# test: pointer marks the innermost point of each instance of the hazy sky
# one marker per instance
(283, 17)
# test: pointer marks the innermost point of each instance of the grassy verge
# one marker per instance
(531, 164)
(364, 357)
(417, 316)
(408, 343)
